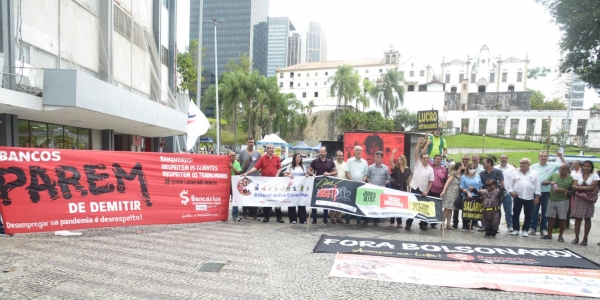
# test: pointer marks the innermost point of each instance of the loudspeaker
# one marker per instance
(332, 147)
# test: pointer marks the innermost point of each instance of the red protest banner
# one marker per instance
(55, 189)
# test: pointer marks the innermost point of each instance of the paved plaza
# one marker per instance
(262, 261)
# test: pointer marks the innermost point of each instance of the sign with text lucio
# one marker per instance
(427, 120)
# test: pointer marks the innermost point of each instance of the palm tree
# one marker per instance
(389, 92)
(305, 112)
(344, 84)
(233, 95)
(364, 98)
(253, 92)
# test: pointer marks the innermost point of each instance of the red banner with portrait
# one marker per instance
(55, 189)
(372, 142)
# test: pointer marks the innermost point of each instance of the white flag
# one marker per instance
(197, 125)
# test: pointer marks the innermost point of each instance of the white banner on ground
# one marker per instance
(271, 191)
(542, 280)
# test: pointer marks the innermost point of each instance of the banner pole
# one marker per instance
(443, 232)
(308, 219)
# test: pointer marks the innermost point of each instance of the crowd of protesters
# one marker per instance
(546, 193)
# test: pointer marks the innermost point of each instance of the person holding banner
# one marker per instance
(377, 174)
(269, 164)
(423, 177)
(470, 184)
(401, 177)
(322, 166)
(356, 170)
(340, 166)
(586, 195)
(296, 168)
(247, 159)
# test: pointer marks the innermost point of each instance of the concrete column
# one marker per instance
(9, 130)
(172, 41)
(7, 16)
(105, 21)
(108, 140)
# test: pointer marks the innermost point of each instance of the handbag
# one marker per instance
(458, 203)
(591, 196)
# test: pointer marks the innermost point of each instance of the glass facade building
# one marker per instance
(279, 31)
(294, 50)
(44, 135)
(316, 43)
(244, 30)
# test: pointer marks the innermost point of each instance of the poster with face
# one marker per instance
(372, 142)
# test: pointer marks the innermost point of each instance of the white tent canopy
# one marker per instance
(272, 139)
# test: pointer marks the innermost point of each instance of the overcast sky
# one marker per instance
(428, 29)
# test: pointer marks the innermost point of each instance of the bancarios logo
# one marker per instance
(184, 198)
(30, 156)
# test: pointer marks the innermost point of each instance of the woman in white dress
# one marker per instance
(296, 169)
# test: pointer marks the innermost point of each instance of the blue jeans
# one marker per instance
(507, 203)
(536, 211)
(234, 209)
(325, 215)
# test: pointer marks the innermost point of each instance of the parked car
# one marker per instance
(286, 162)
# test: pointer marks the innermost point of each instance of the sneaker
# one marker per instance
(481, 229)
(515, 232)
(314, 222)
(464, 229)
(305, 223)
(531, 231)
(293, 222)
(544, 232)
(525, 234)
(325, 222)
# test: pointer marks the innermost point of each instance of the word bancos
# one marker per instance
(29, 156)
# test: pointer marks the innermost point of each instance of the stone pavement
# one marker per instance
(262, 261)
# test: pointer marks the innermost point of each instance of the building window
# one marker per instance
(291, 84)
(423, 88)
(304, 95)
(316, 74)
(380, 70)
(473, 77)
(280, 75)
(562, 126)
(307, 84)
(411, 74)
(122, 22)
(307, 74)
(492, 77)
(461, 77)
(411, 88)
(511, 88)
(481, 89)
(500, 126)
(315, 83)
(482, 126)
(291, 74)
(299, 75)
(581, 127)
(545, 128)
(514, 127)
(447, 78)
(453, 90)
(504, 77)
(316, 94)
(422, 73)
(530, 127)
(281, 84)
(519, 76)
(164, 58)
(367, 71)
(43, 135)
(326, 73)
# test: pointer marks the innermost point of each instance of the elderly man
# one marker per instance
(478, 168)
(236, 169)
(377, 174)
(544, 169)
(507, 200)
(340, 166)
(321, 166)
(524, 187)
(422, 179)
(356, 169)
(269, 164)
(560, 184)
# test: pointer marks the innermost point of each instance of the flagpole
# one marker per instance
(199, 75)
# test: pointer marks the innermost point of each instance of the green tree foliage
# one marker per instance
(344, 84)
(187, 67)
(405, 120)
(389, 92)
(376, 122)
(537, 72)
(538, 102)
(579, 22)
(364, 97)
(351, 120)
(243, 63)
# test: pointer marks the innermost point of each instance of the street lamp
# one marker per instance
(483, 150)
(216, 22)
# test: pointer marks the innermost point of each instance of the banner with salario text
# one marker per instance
(271, 191)
(367, 200)
(55, 189)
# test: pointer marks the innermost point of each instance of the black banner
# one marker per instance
(366, 200)
(472, 209)
(427, 120)
(564, 258)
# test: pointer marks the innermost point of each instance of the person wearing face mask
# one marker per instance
(470, 183)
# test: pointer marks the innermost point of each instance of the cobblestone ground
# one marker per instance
(262, 261)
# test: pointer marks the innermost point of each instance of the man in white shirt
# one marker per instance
(340, 166)
(507, 200)
(422, 179)
(356, 169)
(544, 169)
(524, 187)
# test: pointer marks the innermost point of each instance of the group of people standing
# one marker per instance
(550, 187)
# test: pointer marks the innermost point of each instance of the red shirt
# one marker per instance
(268, 166)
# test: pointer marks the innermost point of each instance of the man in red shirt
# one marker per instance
(268, 165)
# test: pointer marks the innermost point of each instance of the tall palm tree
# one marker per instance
(364, 98)
(344, 84)
(233, 95)
(389, 92)
(253, 91)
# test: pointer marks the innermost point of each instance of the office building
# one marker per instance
(95, 74)
(294, 49)
(316, 43)
(279, 32)
(565, 87)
